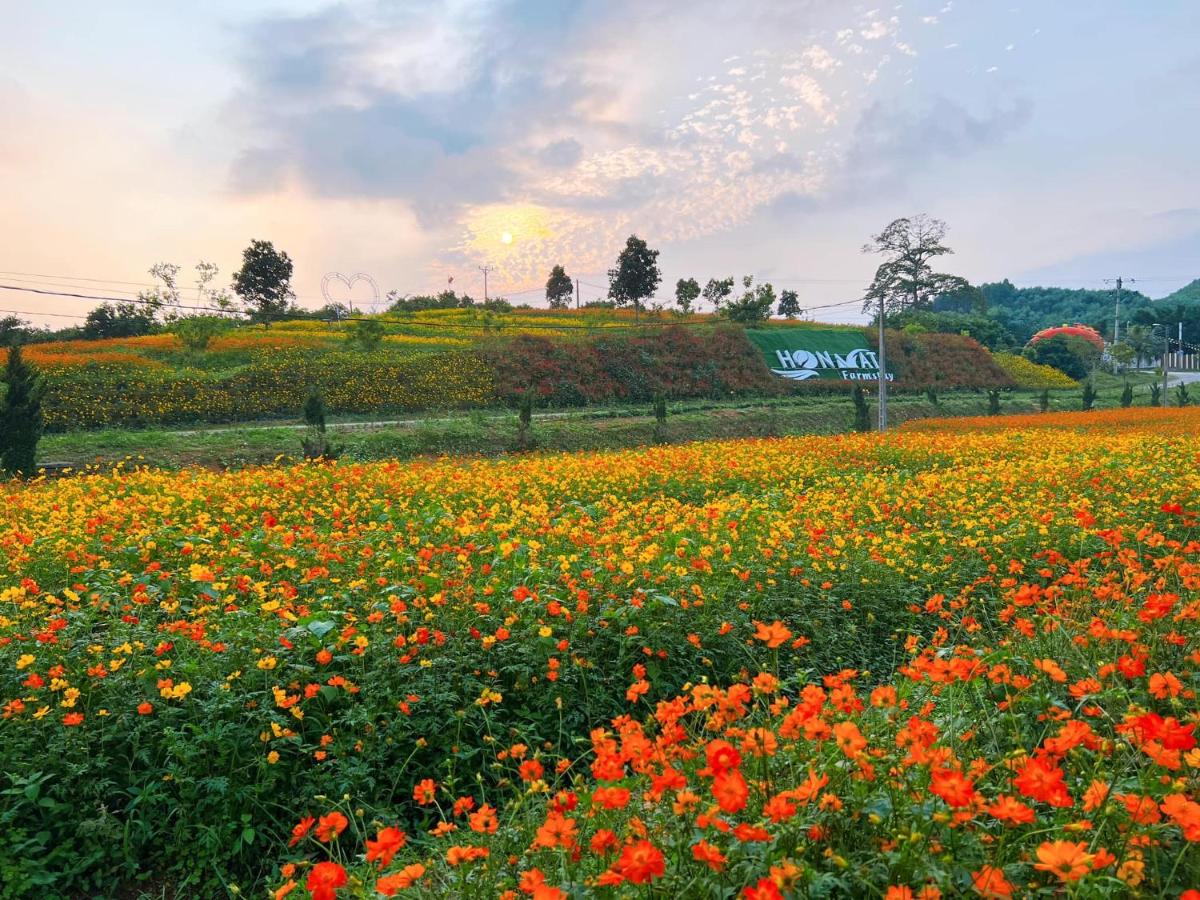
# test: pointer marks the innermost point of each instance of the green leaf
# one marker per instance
(321, 628)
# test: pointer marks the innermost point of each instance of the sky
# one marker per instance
(418, 141)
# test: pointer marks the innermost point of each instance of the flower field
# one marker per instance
(957, 660)
(1031, 375)
(441, 360)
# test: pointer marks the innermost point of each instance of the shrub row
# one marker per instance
(676, 361)
(98, 396)
(679, 362)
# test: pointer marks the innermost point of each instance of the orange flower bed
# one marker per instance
(1153, 418)
(916, 665)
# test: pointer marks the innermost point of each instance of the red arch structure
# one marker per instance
(1083, 331)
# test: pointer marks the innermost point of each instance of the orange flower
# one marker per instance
(300, 830)
(953, 787)
(703, 851)
(1164, 685)
(459, 854)
(405, 878)
(425, 791)
(898, 892)
(72, 719)
(1011, 810)
(1185, 813)
(1039, 780)
(766, 889)
(556, 831)
(773, 635)
(1069, 860)
(145, 708)
(531, 770)
(386, 844)
(849, 739)
(603, 841)
(484, 819)
(324, 880)
(330, 826)
(1095, 795)
(990, 883)
(1051, 668)
(730, 790)
(760, 742)
(721, 756)
(610, 797)
(641, 862)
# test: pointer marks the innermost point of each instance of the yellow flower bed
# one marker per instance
(1031, 375)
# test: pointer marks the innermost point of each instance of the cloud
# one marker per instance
(412, 101)
(890, 142)
(581, 120)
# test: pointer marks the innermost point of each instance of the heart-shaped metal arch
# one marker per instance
(349, 283)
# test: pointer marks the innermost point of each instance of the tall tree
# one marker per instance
(636, 276)
(789, 305)
(717, 292)
(207, 295)
(13, 330)
(559, 288)
(754, 305)
(109, 320)
(906, 280)
(165, 293)
(20, 415)
(686, 292)
(264, 281)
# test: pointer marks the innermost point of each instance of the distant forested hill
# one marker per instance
(1028, 310)
(1188, 294)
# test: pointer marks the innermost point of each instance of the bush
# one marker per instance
(987, 330)
(1089, 395)
(21, 419)
(1071, 355)
(1032, 376)
(682, 362)
(274, 384)
(196, 332)
(941, 361)
(862, 412)
(367, 334)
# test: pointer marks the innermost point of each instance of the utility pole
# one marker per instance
(1166, 347)
(1117, 318)
(485, 269)
(883, 423)
(577, 293)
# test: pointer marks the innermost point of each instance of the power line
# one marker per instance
(31, 290)
(26, 312)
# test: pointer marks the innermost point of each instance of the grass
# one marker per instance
(492, 433)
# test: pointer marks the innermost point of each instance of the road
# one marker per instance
(350, 426)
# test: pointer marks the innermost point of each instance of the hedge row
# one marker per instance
(676, 361)
(99, 396)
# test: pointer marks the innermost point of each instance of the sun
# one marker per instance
(506, 237)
